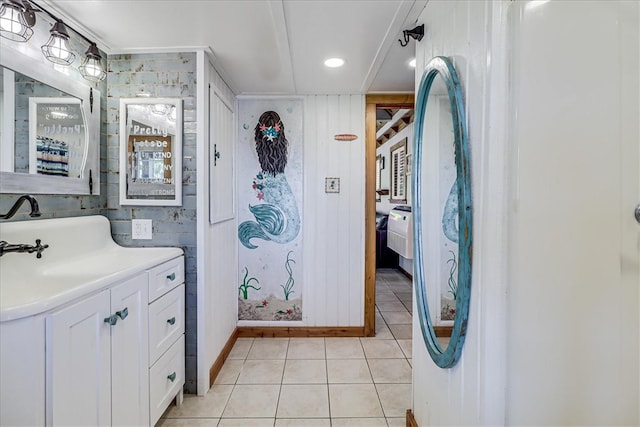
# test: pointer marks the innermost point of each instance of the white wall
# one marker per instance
(217, 243)
(554, 320)
(472, 392)
(333, 224)
(573, 334)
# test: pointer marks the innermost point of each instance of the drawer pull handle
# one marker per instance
(123, 313)
(111, 320)
(172, 377)
(171, 321)
(172, 276)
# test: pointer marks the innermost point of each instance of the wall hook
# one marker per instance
(417, 34)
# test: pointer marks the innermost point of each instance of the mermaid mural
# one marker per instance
(269, 231)
(277, 219)
(450, 251)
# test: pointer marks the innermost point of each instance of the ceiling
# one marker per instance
(264, 46)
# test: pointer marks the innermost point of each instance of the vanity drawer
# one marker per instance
(166, 379)
(166, 322)
(165, 277)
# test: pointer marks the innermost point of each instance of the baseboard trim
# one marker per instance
(217, 365)
(300, 331)
(443, 331)
(411, 421)
(405, 272)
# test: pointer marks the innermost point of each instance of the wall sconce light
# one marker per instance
(56, 49)
(417, 34)
(17, 17)
(16, 20)
(91, 68)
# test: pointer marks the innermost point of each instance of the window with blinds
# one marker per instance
(399, 172)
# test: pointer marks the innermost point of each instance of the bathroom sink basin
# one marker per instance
(81, 258)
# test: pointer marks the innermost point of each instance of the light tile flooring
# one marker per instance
(300, 382)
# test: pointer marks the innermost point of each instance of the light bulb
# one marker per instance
(92, 69)
(13, 24)
(60, 48)
(10, 20)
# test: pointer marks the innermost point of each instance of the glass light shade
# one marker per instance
(91, 69)
(57, 48)
(12, 23)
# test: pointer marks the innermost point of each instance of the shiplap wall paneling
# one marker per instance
(472, 392)
(334, 222)
(217, 243)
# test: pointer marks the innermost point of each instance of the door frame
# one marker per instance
(373, 102)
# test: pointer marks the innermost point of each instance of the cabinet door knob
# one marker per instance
(111, 320)
(172, 377)
(172, 276)
(171, 321)
(123, 313)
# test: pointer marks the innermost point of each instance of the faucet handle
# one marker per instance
(39, 248)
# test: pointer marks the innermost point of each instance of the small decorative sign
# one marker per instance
(345, 137)
(151, 152)
(332, 185)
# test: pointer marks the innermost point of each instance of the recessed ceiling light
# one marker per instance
(412, 63)
(334, 62)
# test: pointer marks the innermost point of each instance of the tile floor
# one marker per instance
(322, 382)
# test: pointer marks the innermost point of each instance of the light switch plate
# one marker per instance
(141, 229)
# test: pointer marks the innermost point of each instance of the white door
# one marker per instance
(221, 158)
(573, 329)
(78, 364)
(130, 353)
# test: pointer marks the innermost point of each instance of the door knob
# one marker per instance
(111, 320)
(123, 313)
(636, 212)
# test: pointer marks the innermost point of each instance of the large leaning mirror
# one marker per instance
(151, 151)
(442, 212)
(50, 129)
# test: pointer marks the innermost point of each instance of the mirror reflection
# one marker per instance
(151, 143)
(440, 226)
(49, 128)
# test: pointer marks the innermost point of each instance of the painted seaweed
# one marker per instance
(287, 287)
(246, 284)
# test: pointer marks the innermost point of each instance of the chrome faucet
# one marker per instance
(35, 209)
(6, 248)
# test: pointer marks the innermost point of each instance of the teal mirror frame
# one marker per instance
(444, 358)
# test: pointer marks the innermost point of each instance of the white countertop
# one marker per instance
(30, 286)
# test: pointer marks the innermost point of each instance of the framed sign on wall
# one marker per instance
(151, 152)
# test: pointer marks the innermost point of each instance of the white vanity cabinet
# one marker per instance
(98, 358)
(112, 357)
(91, 333)
(166, 359)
